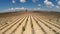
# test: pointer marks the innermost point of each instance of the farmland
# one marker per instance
(30, 23)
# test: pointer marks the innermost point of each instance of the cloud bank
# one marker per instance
(48, 3)
(22, 1)
(13, 1)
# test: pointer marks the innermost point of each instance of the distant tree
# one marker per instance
(26, 10)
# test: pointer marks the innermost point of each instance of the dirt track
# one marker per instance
(30, 23)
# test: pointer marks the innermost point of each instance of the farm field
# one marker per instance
(30, 23)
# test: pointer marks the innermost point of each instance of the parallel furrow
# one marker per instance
(33, 32)
(37, 29)
(52, 24)
(9, 27)
(24, 27)
(28, 29)
(9, 24)
(40, 27)
(18, 25)
(50, 27)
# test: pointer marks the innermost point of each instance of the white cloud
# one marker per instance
(39, 4)
(48, 3)
(13, 1)
(22, 8)
(58, 2)
(57, 6)
(34, 1)
(38, 8)
(16, 8)
(22, 1)
(11, 9)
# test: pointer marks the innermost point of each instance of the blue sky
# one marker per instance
(42, 4)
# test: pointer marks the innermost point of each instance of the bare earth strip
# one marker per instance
(30, 23)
